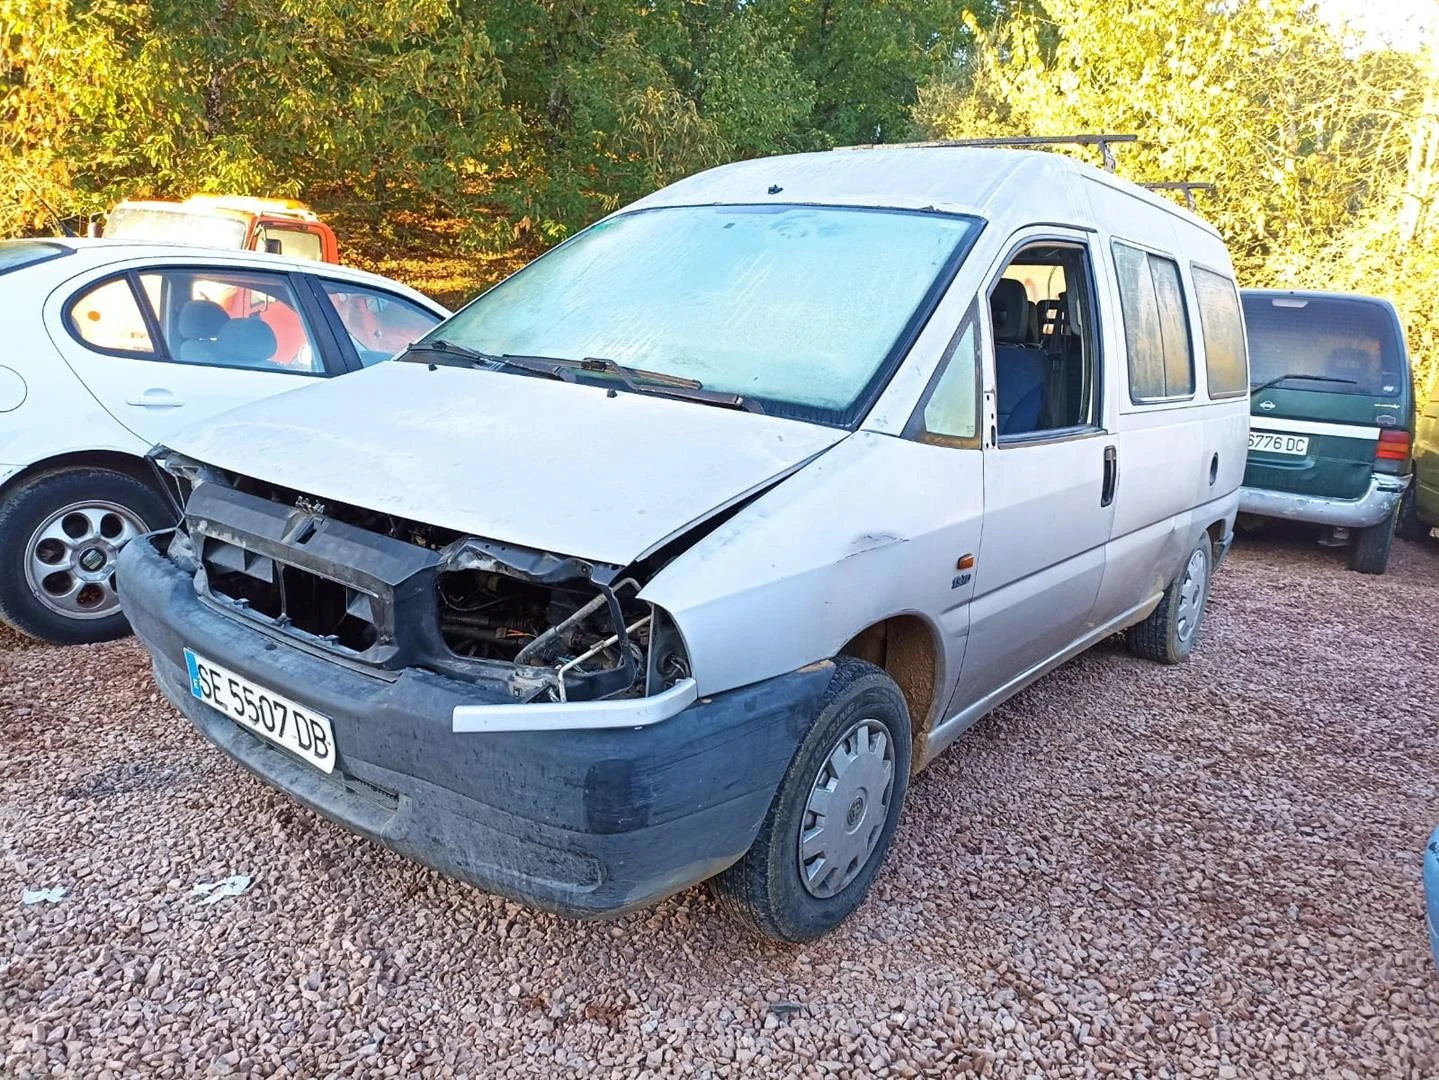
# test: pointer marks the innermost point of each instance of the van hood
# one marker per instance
(560, 467)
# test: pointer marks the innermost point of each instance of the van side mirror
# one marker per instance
(273, 247)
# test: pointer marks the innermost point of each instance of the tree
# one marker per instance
(1294, 127)
(264, 96)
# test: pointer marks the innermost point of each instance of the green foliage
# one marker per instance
(1308, 139)
(524, 118)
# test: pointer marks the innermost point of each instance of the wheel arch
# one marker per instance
(115, 460)
(1215, 529)
(909, 648)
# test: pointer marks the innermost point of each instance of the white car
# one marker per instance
(113, 345)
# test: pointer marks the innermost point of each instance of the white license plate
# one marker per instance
(1274, 443)
(269, 715)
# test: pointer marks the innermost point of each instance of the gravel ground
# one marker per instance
(1209, 870)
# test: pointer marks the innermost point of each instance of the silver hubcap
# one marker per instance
(847, 808)
(1191, 594)
(70, 559)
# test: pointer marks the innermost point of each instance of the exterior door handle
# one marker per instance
(1111, 475)
(157, 397)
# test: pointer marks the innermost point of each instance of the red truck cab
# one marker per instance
(279, 226)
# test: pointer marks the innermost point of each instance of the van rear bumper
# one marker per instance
(1374, 506)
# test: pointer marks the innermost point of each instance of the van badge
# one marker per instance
(1267, 406)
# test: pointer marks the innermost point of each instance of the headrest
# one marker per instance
(201, 319)
(249, 341)
(1009, 305)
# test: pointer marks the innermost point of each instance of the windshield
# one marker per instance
(801, 308)
(175, 226)
(1352, 341)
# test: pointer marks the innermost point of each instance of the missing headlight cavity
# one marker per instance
(583, 634)
(394, 593)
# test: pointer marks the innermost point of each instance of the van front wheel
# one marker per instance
(1169, 634)
(832, 818)
(1369, 548)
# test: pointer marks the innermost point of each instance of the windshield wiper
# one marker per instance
(1307, 378)
(535, 365)
(636, 380)
(660, 378)
(658, 384)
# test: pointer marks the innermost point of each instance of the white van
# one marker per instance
(672, 556)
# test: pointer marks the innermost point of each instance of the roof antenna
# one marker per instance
(65, 230)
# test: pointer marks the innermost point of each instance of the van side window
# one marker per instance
(949, 411)
(1045, 350)
(1225, 358)
(1156, 327)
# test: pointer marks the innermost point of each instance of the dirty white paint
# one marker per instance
(550, 465)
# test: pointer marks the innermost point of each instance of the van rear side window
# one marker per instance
(1156, 327)
(1223, 331)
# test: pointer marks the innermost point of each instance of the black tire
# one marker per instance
(25, 508)
(1369, 548)
(1409, 527)
(764, 890)
(1170, 632)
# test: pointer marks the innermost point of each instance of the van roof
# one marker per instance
(968, 180)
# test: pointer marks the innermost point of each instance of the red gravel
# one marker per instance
(1210, 870)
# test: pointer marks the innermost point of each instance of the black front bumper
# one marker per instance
(578, 822)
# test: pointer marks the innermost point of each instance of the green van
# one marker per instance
(1419, 510)
(1331, 417)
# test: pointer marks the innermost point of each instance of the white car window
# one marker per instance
(232, 319)
(379, 324)
(108, 317)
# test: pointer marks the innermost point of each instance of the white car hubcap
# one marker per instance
(70, 559)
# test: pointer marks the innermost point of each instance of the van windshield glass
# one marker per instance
(799, 308)
(175, 227)
(1352, 341)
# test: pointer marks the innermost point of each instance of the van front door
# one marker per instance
(1048, 470)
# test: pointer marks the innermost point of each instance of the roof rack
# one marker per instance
(1104, 142)
(1189, 187)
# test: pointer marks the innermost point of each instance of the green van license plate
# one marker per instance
(1271, 442)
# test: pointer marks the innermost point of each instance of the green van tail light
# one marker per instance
(1393, 445)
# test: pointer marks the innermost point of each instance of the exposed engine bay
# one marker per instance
(376, 589)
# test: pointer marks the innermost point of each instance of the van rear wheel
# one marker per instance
(1369, 548)
(1169, 634)
(833, 815)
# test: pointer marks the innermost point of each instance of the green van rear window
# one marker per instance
(1329, 344)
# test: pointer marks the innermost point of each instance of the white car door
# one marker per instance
(165, 344)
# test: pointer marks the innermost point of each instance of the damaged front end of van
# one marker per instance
(377, 643)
